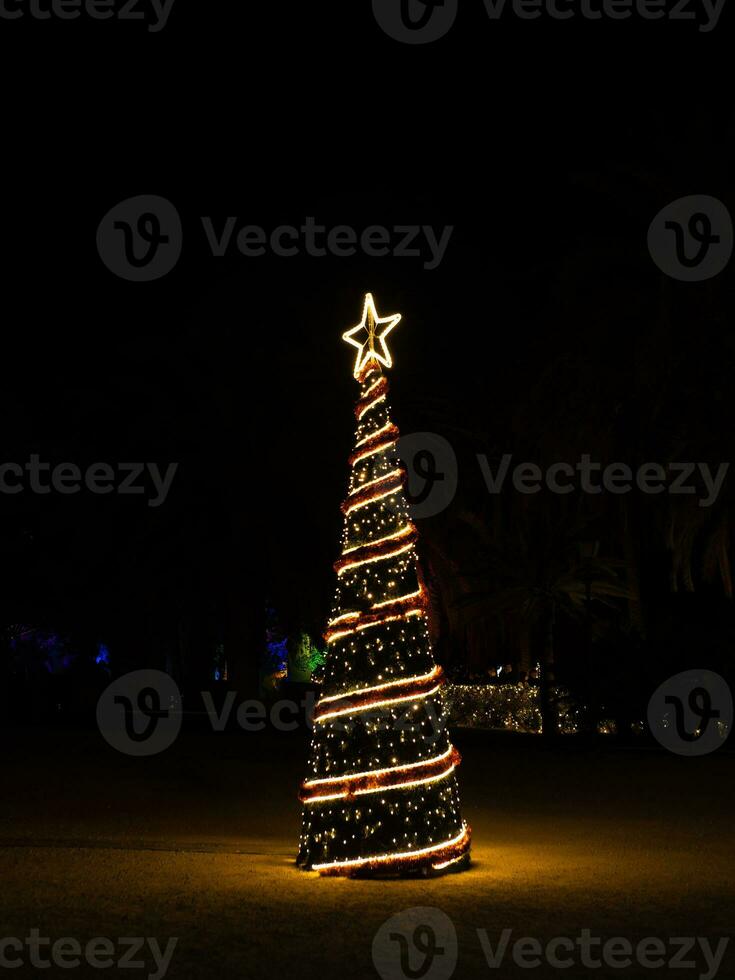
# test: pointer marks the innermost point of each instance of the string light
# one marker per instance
(383, 486)
(375, 395)
(375, 704)
(369, 620)
(431, 676)
(461, 840)
(399, 777)
(363, 702)
(385, 430)
(412, 602)
(380, 384)
(383, 548)
(377, 442)
(419, 593)
(447, 864)
(378, 772)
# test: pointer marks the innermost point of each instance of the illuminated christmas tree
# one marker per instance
(381, 795)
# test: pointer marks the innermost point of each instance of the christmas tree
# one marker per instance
(381, 795)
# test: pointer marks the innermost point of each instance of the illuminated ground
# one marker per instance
(198, 843)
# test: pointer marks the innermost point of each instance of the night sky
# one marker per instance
(548, 146)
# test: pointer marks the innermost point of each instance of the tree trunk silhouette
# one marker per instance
(549, 719)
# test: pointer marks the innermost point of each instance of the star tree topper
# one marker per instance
(376, 329)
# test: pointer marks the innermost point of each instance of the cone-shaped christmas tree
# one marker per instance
(381, 794)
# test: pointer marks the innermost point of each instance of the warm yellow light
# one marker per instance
(412, 784)
(387, 858)
(357, 504)
(361, 454)
(370, 405)
(446, 864)
(367, 561)
(376, 704)
(400, 598)
(379, 622)
(383, 687)
(372, 435)
(380, 772)
(377, 329)
(342, 618)
(372, 388)
(400, 533)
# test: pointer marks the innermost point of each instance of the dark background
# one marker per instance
(548, 145)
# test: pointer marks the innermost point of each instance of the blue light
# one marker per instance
(278, 655)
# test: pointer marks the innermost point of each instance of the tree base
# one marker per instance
(416, 871)
(449, 861)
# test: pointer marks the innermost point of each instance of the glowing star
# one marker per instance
(373, 346)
